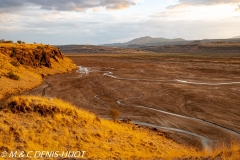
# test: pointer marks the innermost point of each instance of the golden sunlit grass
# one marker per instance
(49, 124)
(32, 123)
(25, 46)
(228, 151)
(29, 76)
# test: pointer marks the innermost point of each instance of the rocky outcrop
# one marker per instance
(35, 56)
(23, 66)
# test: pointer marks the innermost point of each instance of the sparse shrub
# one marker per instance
(39, 47)
(13, 54)
(21, 61)
(8, 42)
(15, 63)
(12, 75)
(114, 114)
(41, 106)
(19, 42)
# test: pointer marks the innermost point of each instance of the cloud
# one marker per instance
(208, 2)
(96, 9)
(238, 8)
(111, 32)
(204, 10)
(43, 20)
(181, 5)
(64, 5)
(119, 6)
(187, 3)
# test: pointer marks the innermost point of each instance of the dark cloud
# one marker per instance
(207, 2)
(64, 5)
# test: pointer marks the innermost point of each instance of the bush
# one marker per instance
(12, 75)
(15, 63)
(8, 42)
(19, 42)
(21, 61)
(39, 47)
(13, 54)
(114, 114)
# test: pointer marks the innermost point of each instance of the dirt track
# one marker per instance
(194, 99)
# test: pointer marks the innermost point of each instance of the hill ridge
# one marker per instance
(22, 66)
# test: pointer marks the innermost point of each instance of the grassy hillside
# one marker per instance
(34, 123)
(31, 123)
(22, 66)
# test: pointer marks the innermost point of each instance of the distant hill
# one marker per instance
(237, 37)
(149, 41)
(148, 45)
(204, 46)
(72, 49)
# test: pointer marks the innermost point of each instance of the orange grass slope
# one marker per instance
(227, 152)
(31, 123)
(29, 62)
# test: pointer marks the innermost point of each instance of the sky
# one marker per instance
(60, 22)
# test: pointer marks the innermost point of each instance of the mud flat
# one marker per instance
(194, 99)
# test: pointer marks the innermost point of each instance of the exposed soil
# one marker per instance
(194, 99)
